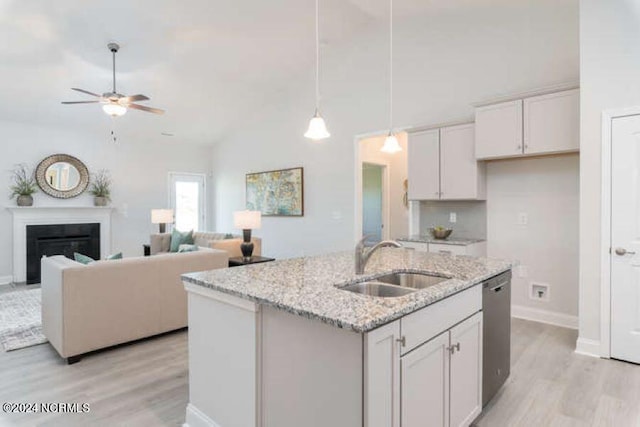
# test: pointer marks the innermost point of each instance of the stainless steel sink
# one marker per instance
(411, 280)
(394, 284)
(377, 289)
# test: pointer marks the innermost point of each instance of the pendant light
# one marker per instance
(391, 144)
(317, 128)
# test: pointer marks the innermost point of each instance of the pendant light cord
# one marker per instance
(317, 56)
(114, 71)
(390, 66)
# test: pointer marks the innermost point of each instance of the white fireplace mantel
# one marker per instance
(42, 215)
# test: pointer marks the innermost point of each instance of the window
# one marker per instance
(187, 198)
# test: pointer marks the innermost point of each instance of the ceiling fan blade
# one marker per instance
(80, 102)
(143, 108)
(133, 98)
(86, 91)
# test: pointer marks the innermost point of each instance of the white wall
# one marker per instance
(397, 164)
(546, 190)
(444, 62)
(609, 70)
(139, 170)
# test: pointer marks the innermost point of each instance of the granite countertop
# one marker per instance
(456, 241)
(306, 286)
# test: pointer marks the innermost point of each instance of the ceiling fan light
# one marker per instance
(114, 110)
(317, 128)
(391, 144)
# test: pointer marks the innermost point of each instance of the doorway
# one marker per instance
(373, 201)
(621, 236)
(187, 199)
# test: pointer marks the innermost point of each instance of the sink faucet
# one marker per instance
(363, 255)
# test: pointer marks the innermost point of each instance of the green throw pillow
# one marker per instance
(228, 236)
(187, 248)
(178, 238)
(83, 259)
(114, 256)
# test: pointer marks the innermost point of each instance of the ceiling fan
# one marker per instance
(114, 103)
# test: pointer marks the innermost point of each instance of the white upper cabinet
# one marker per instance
(499, 130)
(442, 165)
(552, 123)
(461, 176)
(424, 165)
(544, 124)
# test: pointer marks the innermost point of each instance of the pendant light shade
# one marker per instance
(114, 110)
(317, 127)
(391, 144)
(317, 130)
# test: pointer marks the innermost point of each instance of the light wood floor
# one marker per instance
(145, 384)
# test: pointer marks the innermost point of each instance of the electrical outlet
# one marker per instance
(539, 291)
(453, 217)
(523, 218)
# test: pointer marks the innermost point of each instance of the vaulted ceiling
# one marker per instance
(207, 62)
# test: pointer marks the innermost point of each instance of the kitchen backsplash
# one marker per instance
(471, 218)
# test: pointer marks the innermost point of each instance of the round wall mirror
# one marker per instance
(62, 176)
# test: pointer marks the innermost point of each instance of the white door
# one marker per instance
(381, 376)
(187, 199)
(499, 130)
(459, 173)
(625, 239)
(425, 384)
(423, 165)
(466, 371)
(552, 123)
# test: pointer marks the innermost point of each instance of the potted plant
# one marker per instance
(24, 185)
(101, 188)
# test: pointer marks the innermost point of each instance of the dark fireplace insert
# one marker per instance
(59, 239)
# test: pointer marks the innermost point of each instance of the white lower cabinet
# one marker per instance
(473, 249)
(434, 382)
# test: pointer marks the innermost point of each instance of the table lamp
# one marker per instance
(247, 221)
(162, 217)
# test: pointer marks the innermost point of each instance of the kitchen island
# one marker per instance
(280, 344)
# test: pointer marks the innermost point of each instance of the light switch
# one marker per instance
(453, 217)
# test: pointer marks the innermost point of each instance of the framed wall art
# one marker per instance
(276, 193)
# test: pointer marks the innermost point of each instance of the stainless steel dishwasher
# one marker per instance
(496, 345)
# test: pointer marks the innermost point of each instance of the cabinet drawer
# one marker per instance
(422, 325)
(417, 246)
(447, 249)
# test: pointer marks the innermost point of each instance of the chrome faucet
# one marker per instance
(363, 255)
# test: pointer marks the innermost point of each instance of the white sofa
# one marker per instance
(105, 303)
(160, 243)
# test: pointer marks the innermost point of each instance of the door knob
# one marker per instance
(623, 251)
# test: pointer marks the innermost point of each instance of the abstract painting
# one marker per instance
(276, 193)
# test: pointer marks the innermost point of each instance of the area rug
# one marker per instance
(20, 319)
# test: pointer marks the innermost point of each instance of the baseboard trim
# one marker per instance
(544, 316)
(196, 418)
(6, 280)
(588, 347)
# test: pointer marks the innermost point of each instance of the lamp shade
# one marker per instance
(391, 144)
(247, 220)
(114, 110)
(161, 216)
(317, 128)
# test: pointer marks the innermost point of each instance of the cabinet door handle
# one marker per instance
(519, 147)
(453, 348)
(402, 341)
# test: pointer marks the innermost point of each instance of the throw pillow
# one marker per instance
(82, 259)
(187, 248)
(114, 256)
(178, 238)
(228, 236)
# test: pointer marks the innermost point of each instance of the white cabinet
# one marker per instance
(473, 249)
(442, 165)
(424, 165)
(426, 368)
(537, 125)
(499, 130)
(425, 384)
(552, 123)
(381, 379)
(442, 379)
(466, 371)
